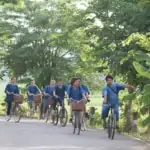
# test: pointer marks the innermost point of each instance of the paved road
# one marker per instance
(36, 135)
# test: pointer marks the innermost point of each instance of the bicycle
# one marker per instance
(58, 114)
(77, 108)
(34, 107)
(16, 110)
(111, 123)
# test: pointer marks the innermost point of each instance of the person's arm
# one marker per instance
(83, 93)
(104, 94)
(54, 92)
(38, 90)
(123, 86)
(17, 90)
(129, 87)
(65, 90)
(28, 91)
(46, 91)
(7, 89)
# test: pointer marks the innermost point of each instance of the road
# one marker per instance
(36, 135)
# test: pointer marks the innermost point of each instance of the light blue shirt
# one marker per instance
(112, 92)
(75, 93)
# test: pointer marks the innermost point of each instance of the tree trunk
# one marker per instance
(128, 117)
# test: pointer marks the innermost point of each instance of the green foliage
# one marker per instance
(52, 39)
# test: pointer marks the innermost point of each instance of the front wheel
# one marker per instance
(55, 117)
(74, 123)
(63, 115)
(47, 115)
(17, 113)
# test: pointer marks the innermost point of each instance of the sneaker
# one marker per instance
(8, 118)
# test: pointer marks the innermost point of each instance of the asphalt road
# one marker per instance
(36, 135)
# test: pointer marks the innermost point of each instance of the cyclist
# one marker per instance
(75, 92)
(31, 91)
(59, 93)
(110, 94)
(11, 89)
(48, 92)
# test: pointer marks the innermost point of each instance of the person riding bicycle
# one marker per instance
(75, 92)
(31, 91)
(11, 89)
(59, 93)
(110, 94)
(48, 93)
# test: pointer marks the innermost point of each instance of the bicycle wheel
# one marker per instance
(113, 126)
(55, 117)
(75, 122)
(17, 113)
(63, 115)
(47, 115)
(109, 127)
(84, 123)
(38, 111)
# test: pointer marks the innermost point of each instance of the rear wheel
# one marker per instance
(63, 115)
(109, 127)
(113, 126)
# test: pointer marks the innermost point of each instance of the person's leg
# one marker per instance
(41, 110)
(45, 106)
(116, 111)
(105, 111)
(9, 105)
(81, 116)
(62, 104)
(54, 104)
(71, 113)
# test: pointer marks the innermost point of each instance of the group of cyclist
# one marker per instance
(74, 92)
(57, 91)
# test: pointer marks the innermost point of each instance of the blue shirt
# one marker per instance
(112, 92)
(33, 90)
(49, 90)
(75, 93)
(11, 88)
(60, 91)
